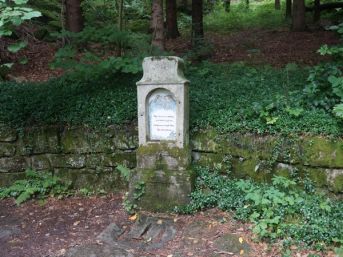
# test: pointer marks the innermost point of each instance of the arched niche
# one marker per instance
(161, 109)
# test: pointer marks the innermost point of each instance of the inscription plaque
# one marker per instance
(162, 115)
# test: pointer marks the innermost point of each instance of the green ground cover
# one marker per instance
(240, 17)
(227, 97)
(286, 209)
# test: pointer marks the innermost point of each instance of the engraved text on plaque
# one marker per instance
(162, 115)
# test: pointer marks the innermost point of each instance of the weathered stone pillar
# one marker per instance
(163, 178)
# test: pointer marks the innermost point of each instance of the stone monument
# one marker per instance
(163, 156)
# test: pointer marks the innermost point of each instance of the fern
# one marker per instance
(35, 185)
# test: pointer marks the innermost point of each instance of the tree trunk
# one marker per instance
(171, 12)
(120, 14)
(316, 14)
(74, 18)
(277, 5)
(288, 9)
(227, 5)
(197, 23)
(157, 24)
(298, 17)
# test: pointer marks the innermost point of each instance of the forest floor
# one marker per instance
(255, 46)
(55, 227)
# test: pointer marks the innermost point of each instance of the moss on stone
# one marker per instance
(7, 149)
(336, 184)
(325, 152)
(92, 180)
(163, 189)
(317, 176)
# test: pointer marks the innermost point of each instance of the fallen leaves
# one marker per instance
(241, 240)
(133, 217)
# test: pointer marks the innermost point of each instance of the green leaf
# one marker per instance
(20, 2)
(14, 48)
(7, 65)
(271, 120)
(30, 15)
(338, 110)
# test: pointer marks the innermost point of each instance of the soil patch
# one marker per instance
(100, 226)
(254, 46)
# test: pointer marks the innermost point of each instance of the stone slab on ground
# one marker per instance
(148, 232)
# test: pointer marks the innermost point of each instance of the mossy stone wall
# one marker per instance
(86, 156)
(260, 157)
(89, 156)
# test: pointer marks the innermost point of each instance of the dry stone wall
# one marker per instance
(86, 156)
(89, 157)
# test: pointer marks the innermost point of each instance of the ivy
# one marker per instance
(280, 210)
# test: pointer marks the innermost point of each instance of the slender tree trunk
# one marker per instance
(298, 17)
(227, 5)
(171, 12)
(74, 18)
(316, 14)
(197, 23)
(277, 5)
(288, 9)
(120, 14)
(157, 24)
(247, 2)
(120, 6)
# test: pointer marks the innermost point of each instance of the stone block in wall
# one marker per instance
(14, 164)
(218, 161)
(323, 152)
(205, 141)
(7, 134)
(109, 180)
(317, 175)
(248, 146)
(70, 161)
(40, 162)
(335, 180)
(7, 149)
(123, 139)
(111, 160)
(86, 140)
(39, 140)
(7, 179)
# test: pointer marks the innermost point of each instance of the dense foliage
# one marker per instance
(325, 87)
(12, 15)
(281, 210)
(227, 97)
(35, 185)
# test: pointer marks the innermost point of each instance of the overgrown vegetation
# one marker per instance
(240, 17)
(35, 185)
(325, 88)
(284, 210)
(12, 15)
(229, 98)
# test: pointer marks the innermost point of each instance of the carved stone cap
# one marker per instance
(162, 70)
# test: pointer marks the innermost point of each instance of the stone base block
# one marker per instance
(160, 190)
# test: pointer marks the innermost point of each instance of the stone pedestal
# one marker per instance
(163, 178)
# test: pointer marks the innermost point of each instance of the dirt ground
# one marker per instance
(50, 228)
(274, 47)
